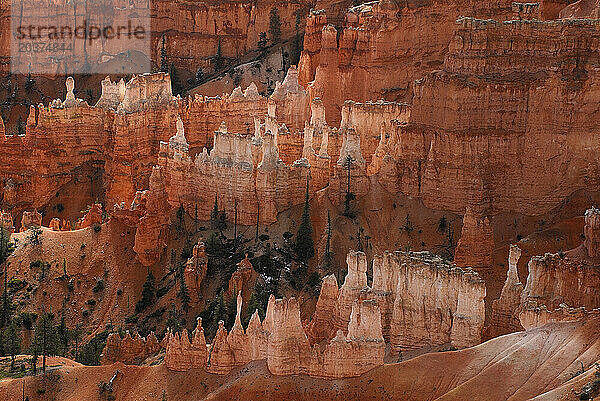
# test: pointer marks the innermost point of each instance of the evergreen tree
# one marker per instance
(184, 295)
(20, 126)
(327, 258)
(253, 305)
(199, 76)
(180, 214)
(305, 248)
(275, 26)
(174, 320)
(11, 341)
(63, 334)
(35, 236)
(76, 335)
(349, 195)
(45, 341)
(214, 214)
(164, 65)
(262, 44)
(218, 58)
(148, 292)
(297, 50)
(6, 304)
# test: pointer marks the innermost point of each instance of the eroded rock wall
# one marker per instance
(490, 129)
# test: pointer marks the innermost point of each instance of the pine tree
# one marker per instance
(176, 86)
(45, 341)
(195, 217)
(297, 50)
(6, 307)
(218, 58)
(180, 214)
(20, 126)
(148, 291)
(262, 44)
(253, 305)
(275, 25)
(349, 195)
(164, 65)
(11, 341)
(214, 214)
(184, 295)
(305, 248)
(199, 76)
(63, 334)
(327, 258)
(35, 237)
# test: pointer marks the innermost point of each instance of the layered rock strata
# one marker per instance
(243, 187)
(423, 300)
(498, 97)
(379, 52)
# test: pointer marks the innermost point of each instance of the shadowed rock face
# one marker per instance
(476, 245)
(561, 286)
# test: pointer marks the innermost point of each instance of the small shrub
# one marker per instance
(119, 291)
(161, 292)
(264, 237)
(99, 286)
(133, 319)
(97, 228)
(15, 284)
(85, 313)
(91, 302)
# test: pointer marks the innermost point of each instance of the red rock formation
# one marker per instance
(540, 316)
(55, 224)
(92, 217)
(570, 278)
(422, 300)
(289, 351)
(30, 219)
(242, 280)
(281, 340)
(148, 243)
(475, 247)
(581, 9)
(6, 221)
(196, 267)
(221, 359)
(505, 310)
(321, 325)
(558, 278)
(128, 350)
(233, 25)
(591, 232)
(436, 303)
(66, 226)
(350, 171)
(371, 120)
(460, 148)
(374, 54)
(181, 355)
